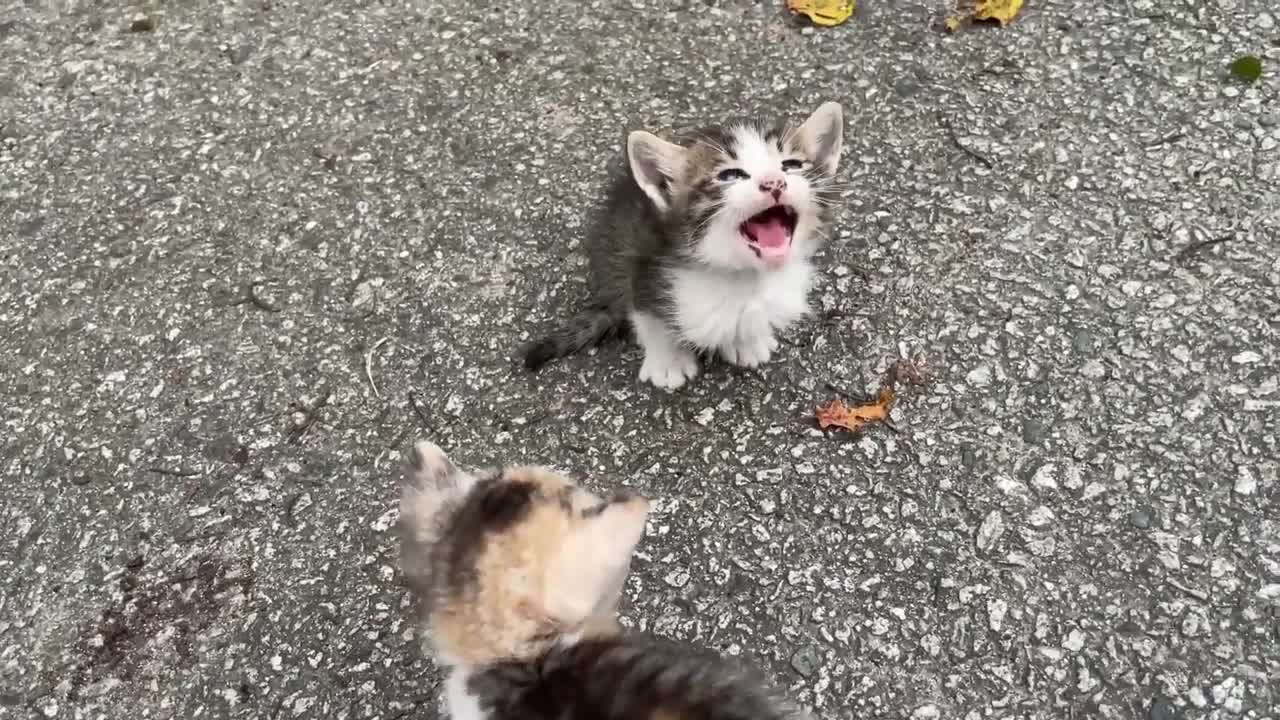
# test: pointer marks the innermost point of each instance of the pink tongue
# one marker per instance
(771, 233)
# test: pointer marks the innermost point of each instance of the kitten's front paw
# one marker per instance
(669, 369)
(751, 352)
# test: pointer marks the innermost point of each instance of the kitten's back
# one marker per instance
(627, 678)
(624, 245)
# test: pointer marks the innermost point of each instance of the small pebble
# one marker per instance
(1142, 517)
(996, 611)
(806, 661)
(979, 376)
(990, 530)
(1162, 708)
(1246, 481)
(1074, 641)
(926, 712)
(1032, 431)
(1082, 341)
(1045, 477)
(1041, 517)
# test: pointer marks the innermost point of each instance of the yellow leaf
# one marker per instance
(1002, 11)
(823, 12)
(953, 23)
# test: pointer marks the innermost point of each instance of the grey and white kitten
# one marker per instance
(703, 245)
(517, 573)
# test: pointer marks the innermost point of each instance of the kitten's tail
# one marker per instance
(584, 330)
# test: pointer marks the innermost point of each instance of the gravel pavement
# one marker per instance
(252, 249)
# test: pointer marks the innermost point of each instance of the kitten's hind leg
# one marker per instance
(666, 364)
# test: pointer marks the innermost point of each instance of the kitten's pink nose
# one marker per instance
(774, 186)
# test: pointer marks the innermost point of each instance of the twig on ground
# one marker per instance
(1192, 249)
(181, 472)
(1189, 591)
(368, 365)
(955, 140)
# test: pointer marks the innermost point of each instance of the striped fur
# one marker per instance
(627, 678)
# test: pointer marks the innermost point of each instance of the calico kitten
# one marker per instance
(704, 245)
(517, 574)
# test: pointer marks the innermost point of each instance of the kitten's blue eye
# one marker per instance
(789, 165)
(732, 174)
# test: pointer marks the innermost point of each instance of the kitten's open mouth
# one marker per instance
(769, 233)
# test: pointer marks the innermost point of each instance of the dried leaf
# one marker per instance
(837, 414)
(823, 12)
(911, 371)
(1002, 11)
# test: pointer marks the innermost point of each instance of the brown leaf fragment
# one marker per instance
(837, 414)
(911, 371)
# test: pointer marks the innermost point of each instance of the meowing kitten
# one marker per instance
(704, 245)
(517, 574)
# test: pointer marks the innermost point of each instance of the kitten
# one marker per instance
(704, 246)
(517, 573)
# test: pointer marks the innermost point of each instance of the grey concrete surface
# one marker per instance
(251, 249)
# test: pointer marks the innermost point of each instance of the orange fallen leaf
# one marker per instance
(836, 414)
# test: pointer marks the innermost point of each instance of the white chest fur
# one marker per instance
(460, 704)
(737, 313)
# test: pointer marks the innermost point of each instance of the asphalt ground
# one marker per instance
(251, 250)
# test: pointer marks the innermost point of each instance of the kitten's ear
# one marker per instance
(655, 164)
(823, 136)
(428, 468)
(431, 481)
